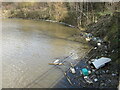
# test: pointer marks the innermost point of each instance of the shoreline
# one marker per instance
(76, 38)
(108, 72)
(47, 20)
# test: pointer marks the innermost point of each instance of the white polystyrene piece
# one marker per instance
(100, 62)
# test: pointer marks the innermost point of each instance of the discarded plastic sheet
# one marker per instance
(100, 62)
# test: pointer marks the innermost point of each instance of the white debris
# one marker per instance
(13, 65)
(89, 72)
(95, 47)
(74, 54)
(56, 61)
(99, 40)
(22, 71)
(105, 47)
(72, 70)
(95, 79)
(92, 60)
(106, 52)
(99, 44)
(107, 71)
(89, 62)
(60, 63)
(77, 68)
(87, 79)
(80, 72)
(93, 70)
(87, 39)
(113, 74)
(94, 39)
(113, 50)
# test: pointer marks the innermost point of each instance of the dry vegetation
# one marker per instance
(77, 14)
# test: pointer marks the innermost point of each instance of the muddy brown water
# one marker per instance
(28, 46)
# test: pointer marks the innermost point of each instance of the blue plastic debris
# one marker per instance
(85, 71)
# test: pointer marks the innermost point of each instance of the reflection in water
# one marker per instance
(28, 46)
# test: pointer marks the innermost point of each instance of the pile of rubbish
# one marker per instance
(87, 74)
(90, 75)
(90, 38)
(90, 72)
